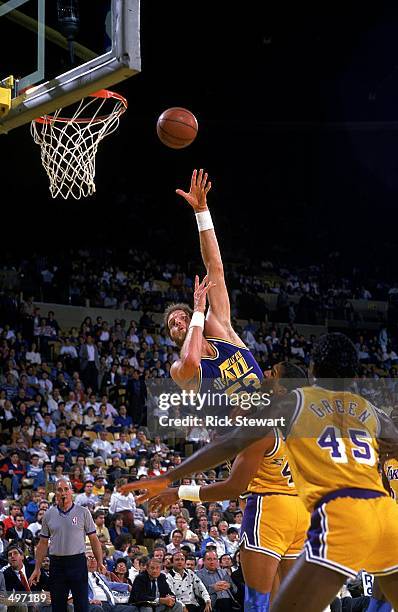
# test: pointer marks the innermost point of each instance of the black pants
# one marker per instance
(69, 574)
(90, 376)
(223, 605)
(192, 608)
(354, 604)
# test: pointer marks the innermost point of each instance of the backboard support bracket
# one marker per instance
(7, 86)
(101, 72)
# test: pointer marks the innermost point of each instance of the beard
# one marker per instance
(180, 339)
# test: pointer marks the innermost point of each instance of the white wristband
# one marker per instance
(204, 220)
(198, 320)
(189, 492)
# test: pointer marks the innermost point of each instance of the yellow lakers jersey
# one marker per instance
(273, 475)
(332, 443)
(391, 471)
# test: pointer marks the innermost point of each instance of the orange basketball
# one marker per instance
(177, 127)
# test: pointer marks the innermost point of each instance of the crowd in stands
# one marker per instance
(133, 280)
(73, 405)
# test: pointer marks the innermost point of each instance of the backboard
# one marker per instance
(60, 51)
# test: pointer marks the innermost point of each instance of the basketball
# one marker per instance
(177, 127)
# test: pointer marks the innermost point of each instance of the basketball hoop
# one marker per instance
(69, 145)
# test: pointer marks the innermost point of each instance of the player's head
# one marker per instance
(284, 377)
(287, 377)
(176, 321)
(334, 356)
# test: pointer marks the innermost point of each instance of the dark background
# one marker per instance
(297, 111)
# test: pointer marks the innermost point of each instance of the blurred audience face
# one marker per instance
(159, 553)
(215, 517)
(225, 562)
(176, 538)
(168, 561)
(181, 523)
(154, 568)
(91, 563)
(179, 562)
(15, 559)
(45, 564)
(210, 561)
(203, 524)
(223, 527)
(190, 564)
(19, 521)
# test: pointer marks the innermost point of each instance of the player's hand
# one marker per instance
(34, 577)
(102, 569)
(200, 293)
(164, 500)
(152, 486)
(198, 191)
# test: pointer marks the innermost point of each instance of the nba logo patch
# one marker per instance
(74, 520)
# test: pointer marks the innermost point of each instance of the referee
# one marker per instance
(67, 525)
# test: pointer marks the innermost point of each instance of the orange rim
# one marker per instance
(102, 93)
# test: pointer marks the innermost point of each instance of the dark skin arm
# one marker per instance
(225, 447)
(230, 445)
(243, 470)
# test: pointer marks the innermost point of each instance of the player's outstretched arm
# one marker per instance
(185, 369)
(219, 315)
(243, 470)
(225, 447)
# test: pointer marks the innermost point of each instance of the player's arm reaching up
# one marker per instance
(218, 319)
(185, 369)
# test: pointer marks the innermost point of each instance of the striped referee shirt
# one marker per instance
(67, 530)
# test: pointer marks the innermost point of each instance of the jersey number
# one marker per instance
(360, 445)
(286, 473)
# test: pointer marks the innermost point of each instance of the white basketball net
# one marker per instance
(69, 145)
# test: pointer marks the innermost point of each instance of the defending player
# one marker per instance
(212, 356)
(275, 520)
(333, 441)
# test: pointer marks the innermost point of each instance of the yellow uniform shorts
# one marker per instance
(354, 529)
(275, 524)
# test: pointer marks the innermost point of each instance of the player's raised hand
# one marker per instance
(152, 486)
(164, 500)
(200, 187)
(200, 293)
